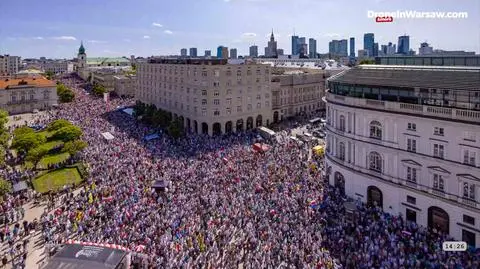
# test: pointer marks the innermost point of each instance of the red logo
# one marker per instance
(384, 19)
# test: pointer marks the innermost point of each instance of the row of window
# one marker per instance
(195, 73)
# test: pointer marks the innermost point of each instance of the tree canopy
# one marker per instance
(36, 154)
(65, 94)
(23, 130)
(5, 187)
(175, 129)
(4, 135)
(98, 89)
(367, 61)
(27, 141)
(73, 147)
(57, 124)
(68, 133)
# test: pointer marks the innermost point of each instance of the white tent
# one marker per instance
(129, 111)
(108, 136)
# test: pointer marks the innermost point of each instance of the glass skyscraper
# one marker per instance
(352, 47)
(368, 41)
(295, 47)
(403, 44)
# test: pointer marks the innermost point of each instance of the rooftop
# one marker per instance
(197, 61)
(438, 77)
(9, 83)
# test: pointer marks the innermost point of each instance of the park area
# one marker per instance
(51, 153)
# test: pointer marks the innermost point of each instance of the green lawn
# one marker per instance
(47, 133)
(52, 144)
(52, 159)
(56, 180)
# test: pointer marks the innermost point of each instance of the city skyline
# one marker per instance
(57, 32)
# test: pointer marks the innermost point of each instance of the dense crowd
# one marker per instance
(225, 205)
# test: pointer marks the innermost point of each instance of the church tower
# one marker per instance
(82, 57)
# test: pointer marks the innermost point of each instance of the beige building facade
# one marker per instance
(9, 65)
(23, 95)
(209, 96)
(298, 94)
(124, 85)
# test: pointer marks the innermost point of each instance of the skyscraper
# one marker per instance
(302, 46)
(312, 48)
(295, 48)
(375, 49)
(403, 44)
(368, 40)
(271, 50)
(193, 52)
(352, 47)
(338, 48)
(425, 49)
(208, 53)
(279, 52)
(254, 51)
(343, 48)
(183, 52)
(222, 52)
(233, 53)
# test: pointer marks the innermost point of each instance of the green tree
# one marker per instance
(36, 154)
(139, 109)
(64, 93)
(367, 61)
(49, 74)
(2, 156)
(23, 130)
(28, 141)
(3, 120)
(73, 147)
(98, 89)
(175, 129)
(58, 124)
(5, 187)
(68, 133)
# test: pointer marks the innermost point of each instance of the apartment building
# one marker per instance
(22, 95)
(9, 65)
(298, 93)
(124, 85)
(57, 66)
(210, 96)
(407, 139)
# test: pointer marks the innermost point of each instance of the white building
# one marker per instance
(425, 49)
(408, 139)
(21, 95)
(208, 95)
(124, 85)
(57, 66)
(9, 65)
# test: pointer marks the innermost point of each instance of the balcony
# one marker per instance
(423, 110)
(469, 202)
(411, 184)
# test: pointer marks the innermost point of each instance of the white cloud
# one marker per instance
(168, 32)
(332, 35)
(146, 37)
(38, 38)
(156, 24)
(97, 41)
(248, 35)
(64, 38)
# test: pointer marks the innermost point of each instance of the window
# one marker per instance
(204, 92)
(204, 73)
(267, 103)
(412, 174)
(239, 100)
(216, 84)
(216, 93)
(204, 111)
(342, 123)
(341, 151)
(411, 126)
(411, 199)
(259, 105)
(216, 113)
(204, 101)
(469, 157)
(469, 220)
(259, 72)
(375, 162)
(216, 102)
(469, 190)
(239, 73)
(229, 91)
(217, 73)
(32, 95)
(375, 130)
(229, 101)
(411, 145)
(229, 111)
(438, 183)
(195, 100)
(438, 151)
(259, 97)
(229, 73)
(239, 108)
(438, 131)
(249, 107)
(46, 95)
(469, 136)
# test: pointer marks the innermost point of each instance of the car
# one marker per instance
(319, 134)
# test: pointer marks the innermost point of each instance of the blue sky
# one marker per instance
(54, 28)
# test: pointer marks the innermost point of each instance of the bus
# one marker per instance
(265, 132)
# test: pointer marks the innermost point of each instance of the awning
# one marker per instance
(108, 136)
(151, 137)
(20, 186)
(129, 111)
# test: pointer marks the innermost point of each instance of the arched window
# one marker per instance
(342, 123)
(341, 151)
(376, 130)
(375, 161)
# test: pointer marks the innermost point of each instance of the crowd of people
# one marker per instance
(225, 206)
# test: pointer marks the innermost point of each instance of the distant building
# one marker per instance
(9, 65)
(222, 52)
(208, 53)
(280, 52)
(453, 52)
(404, 44)
(22, 95)
(312, 48)
(352, 47)
(338, 48)
(430, 60)
(302, 46)
(193, 52)
(363, 55)
(233, 53)
(183, 52)
(253, 51)
(375, 49)
(271, 51)
(368, 43)
(124, 85)
(295, 47)
(57, 66)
